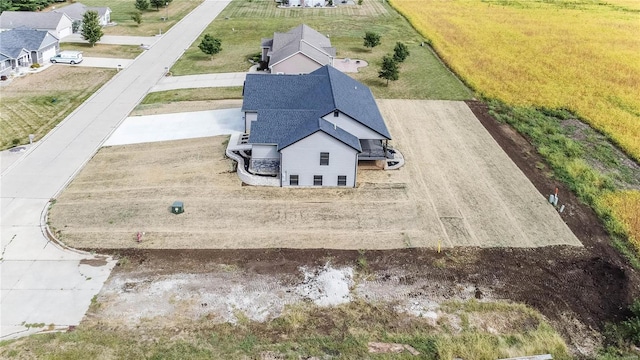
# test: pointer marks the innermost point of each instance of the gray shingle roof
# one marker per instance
(286, 127)
(301, 38)
(30, 19)
(323, 90)
(76, 10)
(13, 41)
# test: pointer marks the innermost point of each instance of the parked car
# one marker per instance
(67, 57)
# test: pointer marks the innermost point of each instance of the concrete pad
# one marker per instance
(152, 128)
(200, 81)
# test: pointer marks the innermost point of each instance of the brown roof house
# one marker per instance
(300, 50)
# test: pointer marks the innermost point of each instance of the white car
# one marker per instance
(68, 57)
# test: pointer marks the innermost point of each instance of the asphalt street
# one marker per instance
(42, 282)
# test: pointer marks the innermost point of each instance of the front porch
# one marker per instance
(373, 149)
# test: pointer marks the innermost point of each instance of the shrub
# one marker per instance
(35, 66)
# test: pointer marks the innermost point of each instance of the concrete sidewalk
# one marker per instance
(200, 81)
(42, 283)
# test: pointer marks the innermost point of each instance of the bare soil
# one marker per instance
(578, 289)
(457, 189)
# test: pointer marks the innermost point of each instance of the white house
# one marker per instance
(76, 12)
(59, 25)
(301, 50)
(313, 129)
(22, 47)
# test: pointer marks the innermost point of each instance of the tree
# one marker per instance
(389, 69)
(210, 45)
(142, 5)
(91, 29)
(371, 39)
(400, 52)
(137, 17)
(158, 3)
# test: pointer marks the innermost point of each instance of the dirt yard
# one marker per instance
(578, 289)
(457, 189)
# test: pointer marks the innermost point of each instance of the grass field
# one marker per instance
(152, 22)
(422, 76)
(309, 331)
(104, 50)
(34, 104)
(580, 55)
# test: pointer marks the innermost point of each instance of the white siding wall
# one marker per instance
(353, 127)
(264, 152)
(303, 159)
(248, 118)
(296, 64)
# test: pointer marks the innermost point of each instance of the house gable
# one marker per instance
(301, 39)
(302, 158)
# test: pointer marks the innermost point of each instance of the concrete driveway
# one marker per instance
(99, 62)
(41, 282)
(187, 125)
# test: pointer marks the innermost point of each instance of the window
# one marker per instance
(342, 180)
(324, 158)
(336, 113)
(293, 180)
(317, 180)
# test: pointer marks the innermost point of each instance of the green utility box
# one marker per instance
(177, 207)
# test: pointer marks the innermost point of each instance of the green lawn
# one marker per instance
(305, 330)
(104, 50)
(152, 20)
(243, 23)
(163, 97)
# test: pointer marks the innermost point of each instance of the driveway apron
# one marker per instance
(43, 282)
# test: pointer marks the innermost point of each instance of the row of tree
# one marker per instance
(143, 5)
(390, 63)
(24, 5)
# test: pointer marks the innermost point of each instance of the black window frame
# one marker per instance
(317, 180)
(324, 160)
(342, 180)
(291, 180)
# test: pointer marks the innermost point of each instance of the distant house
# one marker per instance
(76, 12)
(299, 51)
(22, 47)
(59, 25)
(306, 3)
(313, 129)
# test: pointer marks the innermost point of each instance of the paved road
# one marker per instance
(200, 81)
(41, 282)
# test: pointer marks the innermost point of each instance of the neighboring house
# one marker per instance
(306, 3)
(76, 12)
(311, 130)
(60, 25)
(23, 47)
(298, 51)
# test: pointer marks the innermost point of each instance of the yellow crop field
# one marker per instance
(582, 55)
(625, 206)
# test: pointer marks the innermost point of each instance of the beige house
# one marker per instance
(301, 50)
(59, 25)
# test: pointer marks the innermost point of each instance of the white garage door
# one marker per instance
(64, 32)
(48, 54)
